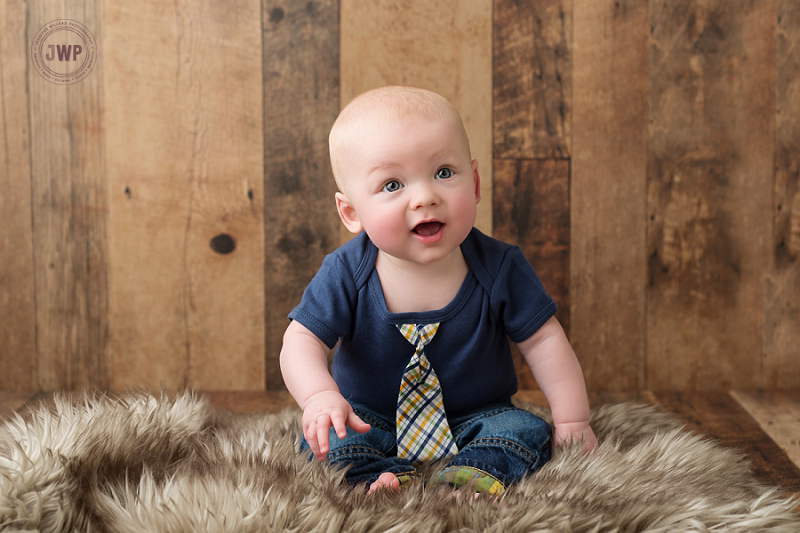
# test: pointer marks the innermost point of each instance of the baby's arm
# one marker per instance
(558, 373)
(304, 365)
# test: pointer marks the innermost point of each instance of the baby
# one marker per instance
(422, 305)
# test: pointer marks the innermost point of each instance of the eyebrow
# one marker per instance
(381, 166)
(445, 153)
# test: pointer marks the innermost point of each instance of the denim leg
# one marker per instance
(503, 441)
(367, 455)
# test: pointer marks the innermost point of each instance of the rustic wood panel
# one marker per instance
(301, 95)
(184, 126)
(531, 209)
(709, 191)
(778, 414)
(69, 209)
(444, 46)
(264, 401)
(12, 402)
(17, 312)
(532, 78)
(608, 195)
(684, 231)
(782, 288)
(717, 415)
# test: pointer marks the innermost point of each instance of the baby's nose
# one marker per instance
(425, 195)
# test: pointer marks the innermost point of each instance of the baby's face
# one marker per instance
(412, 187)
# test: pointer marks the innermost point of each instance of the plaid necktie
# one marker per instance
(423, 433)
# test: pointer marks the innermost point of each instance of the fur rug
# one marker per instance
(137, 462)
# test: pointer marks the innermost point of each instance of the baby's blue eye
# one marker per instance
(391, 186)
(444, 173)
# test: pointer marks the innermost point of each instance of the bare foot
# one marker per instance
(387, 480)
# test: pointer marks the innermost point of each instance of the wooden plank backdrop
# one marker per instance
(444, 46)
(162, 216)
(185, 185)
(17, 306)
(782, 286)
(301, 101)
(710, 165)
(607, 191)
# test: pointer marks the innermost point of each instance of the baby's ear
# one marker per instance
(347, 213)
(477, 179)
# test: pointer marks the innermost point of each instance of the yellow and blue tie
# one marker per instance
(423, 433)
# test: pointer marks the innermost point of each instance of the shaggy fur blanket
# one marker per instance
(138, 462)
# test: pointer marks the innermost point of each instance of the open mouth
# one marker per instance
(426, 229)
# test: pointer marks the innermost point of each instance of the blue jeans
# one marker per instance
(505, 442)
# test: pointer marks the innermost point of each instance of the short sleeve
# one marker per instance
(518, 297)
(327, 303)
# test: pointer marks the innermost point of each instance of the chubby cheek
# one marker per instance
(385, 226)
(466, 209)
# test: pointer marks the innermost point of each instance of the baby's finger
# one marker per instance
(356, 424)
(310, 434)
(323, 428)
(338, 421)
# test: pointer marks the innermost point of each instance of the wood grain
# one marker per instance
(69, 213)
(608, 196)
(778, 414)
(719, 416)
(444, 46)
(532, 79)
(265, 401)
(301, 95)
(204, 126)
(531, 210)
(782, 286)
(17, 286)
(12, 402)
(709, 197)
(184, 127)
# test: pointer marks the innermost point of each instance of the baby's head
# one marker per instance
(384, 108)
(401, 160)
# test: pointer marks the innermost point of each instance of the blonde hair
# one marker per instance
(386, 105)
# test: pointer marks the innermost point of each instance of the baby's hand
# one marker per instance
(323, 410)
(568, 433)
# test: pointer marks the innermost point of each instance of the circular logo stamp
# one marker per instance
(64, 51)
